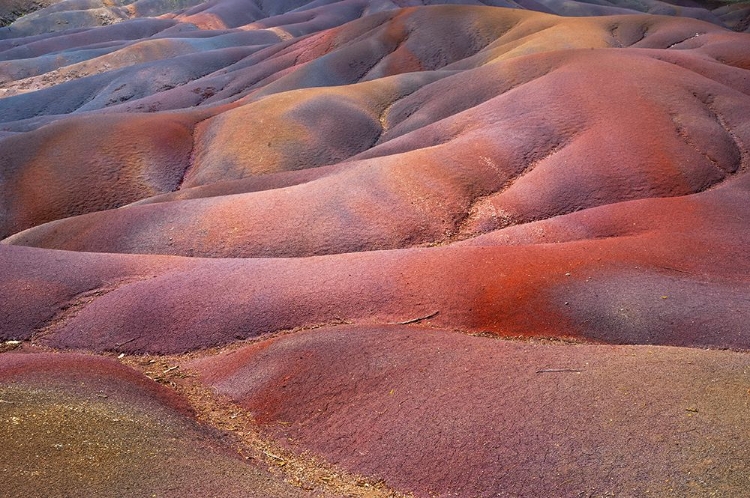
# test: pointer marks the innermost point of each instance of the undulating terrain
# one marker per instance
(374, 248)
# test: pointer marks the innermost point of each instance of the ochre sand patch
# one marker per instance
(87, 426)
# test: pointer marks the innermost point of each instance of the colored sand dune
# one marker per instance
(374, 248)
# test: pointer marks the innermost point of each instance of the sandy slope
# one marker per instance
(375, 248)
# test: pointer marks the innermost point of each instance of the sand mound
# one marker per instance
(378, 247)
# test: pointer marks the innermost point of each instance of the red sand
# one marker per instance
(357, 188)
(432, 411)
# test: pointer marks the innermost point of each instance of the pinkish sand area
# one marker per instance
(374, 248)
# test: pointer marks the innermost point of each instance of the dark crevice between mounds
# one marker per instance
(680, 42)
(465, 230)
(709, 102)
(685, 137)
(191, 153)
(410, 105)
(384, 17)
(634, 35)
(364, 71)
(614, 34)
(743, 156)
(383, 116)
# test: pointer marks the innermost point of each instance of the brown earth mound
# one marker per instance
(77, 425)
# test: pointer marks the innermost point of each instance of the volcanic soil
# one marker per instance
(379, 248)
